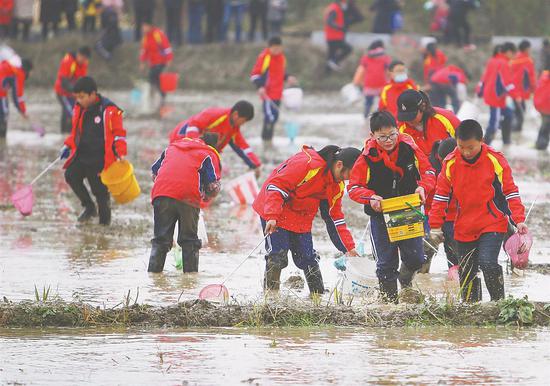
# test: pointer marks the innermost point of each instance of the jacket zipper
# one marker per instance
(490, 210)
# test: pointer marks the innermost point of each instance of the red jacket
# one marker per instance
(6, 11)
(155, 48)
(297, 189)
(270, 72)
(184, 170)
(541, 98)
(438, 127)
(496, 81)
(375, 64)
(70, 70)
(485, 192)
(449, 75)
(433, 63)
(389, 175)
(336, 30)
(217, 120)
(13, 78)
(390, 93)
(523, 76)
(114, 132)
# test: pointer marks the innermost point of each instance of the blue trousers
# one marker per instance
(237, 12)
(271, 116)
(387, 253)
(369, 102)
(496, 116)
(482, 253)
(300, 246)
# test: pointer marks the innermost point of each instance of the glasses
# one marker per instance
(386, 138)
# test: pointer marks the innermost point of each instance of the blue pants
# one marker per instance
(482, 253)
(271, 116)
(299, 244)
(67, 104)
(369, 102)
(387, 253)
(196, 12)
(237, 12)
(496, 115)
(451, 248)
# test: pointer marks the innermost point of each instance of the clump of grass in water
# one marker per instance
(516, 310)
(45, 294)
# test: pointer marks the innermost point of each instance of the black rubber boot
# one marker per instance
(3, 128)
(471, 290)
(314, 279)
(406, 276)
(190, 257)
(274, 264)
(388, 291)
(494, 280)
(506, 128)
(88, 212)
(104, 209)
(157, 259)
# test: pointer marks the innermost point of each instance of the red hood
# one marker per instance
(193, 144)
(381, 155)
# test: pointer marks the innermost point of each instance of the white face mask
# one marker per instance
(401, 77)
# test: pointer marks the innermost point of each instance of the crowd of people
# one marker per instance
(415, 146)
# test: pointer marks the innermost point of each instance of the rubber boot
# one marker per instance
(66, 124)
(88, 212)
(274, 264)
(190, 259)
(157, 259)
(406, 276)
(494, 280)
(104, 209)
(314, 279)
(471, 291)
(3, 128)
(388, 291)
(506, 128)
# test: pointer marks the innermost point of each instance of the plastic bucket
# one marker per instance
(351, 93)
(117, 177)
(293, 98)
(23, 200)
(133, 190)
(467, 110)
(244, 189)
(292, 129)
(404, 217)
(169, 81)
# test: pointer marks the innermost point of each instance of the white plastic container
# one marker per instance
(293, 98)
(351, 93)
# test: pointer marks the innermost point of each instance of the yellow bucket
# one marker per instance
(404, 217)
(121, 182)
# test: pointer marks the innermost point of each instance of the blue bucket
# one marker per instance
(135, 96)
(292, 129)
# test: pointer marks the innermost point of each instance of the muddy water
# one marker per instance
(276, 356)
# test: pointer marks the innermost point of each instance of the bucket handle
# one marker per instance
(424, 217)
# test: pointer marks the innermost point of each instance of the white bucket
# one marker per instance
(293, 98)
(356, 274)
(243, 189)
(468, 110)
(461, 92)
(351, 93)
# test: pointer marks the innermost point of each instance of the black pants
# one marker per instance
(544, 133)
(173, 22)
(142, 15)
(459, 30)
(258, 12)
(440, 92)
(76, 173)
(25, 30)
(46, 28)
(167, 212)
(338, 50)
(519, 112)
(154, 77)
(67, 105)
(89, 24)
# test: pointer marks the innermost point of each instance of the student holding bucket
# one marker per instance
(481, 181)
(186, 174)
(97, 141)
(391, 166)
(288, 201)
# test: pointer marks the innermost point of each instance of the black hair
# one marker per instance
(497, 50)
(524, 45)
(381, 119)
(86, 84)
(469, 129)
(376, 44)
(508, 46)
(274, 41)
(428, 110)
(395, 63)
(431, 48)
(446, 147)
(26, 66)
(333, 153)
(85, 51)
(245, 109)
(211, 139)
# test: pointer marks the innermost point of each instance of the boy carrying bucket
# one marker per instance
(480, 180)
(391, 165)
(186, 174)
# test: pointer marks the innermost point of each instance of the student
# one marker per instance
(399, 82)
(524, 79)
(73, 66)
(495, 84)
(444, 83)
(226, 122)
(541, 101)
(186, 175)
(434, 59)
(288, 202)
(97, 140)
(269, 75)
(391, 165)
(480, 180)
(156, 51)
(371, 74)
(12, 81)
(338, 16)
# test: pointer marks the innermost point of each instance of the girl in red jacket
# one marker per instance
(480, 180)
(524, 78)
(542, 104)
(434, 59)
(288, 202)
(186, 174)
(371, 74)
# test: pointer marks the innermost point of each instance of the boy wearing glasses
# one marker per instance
(391, 165)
